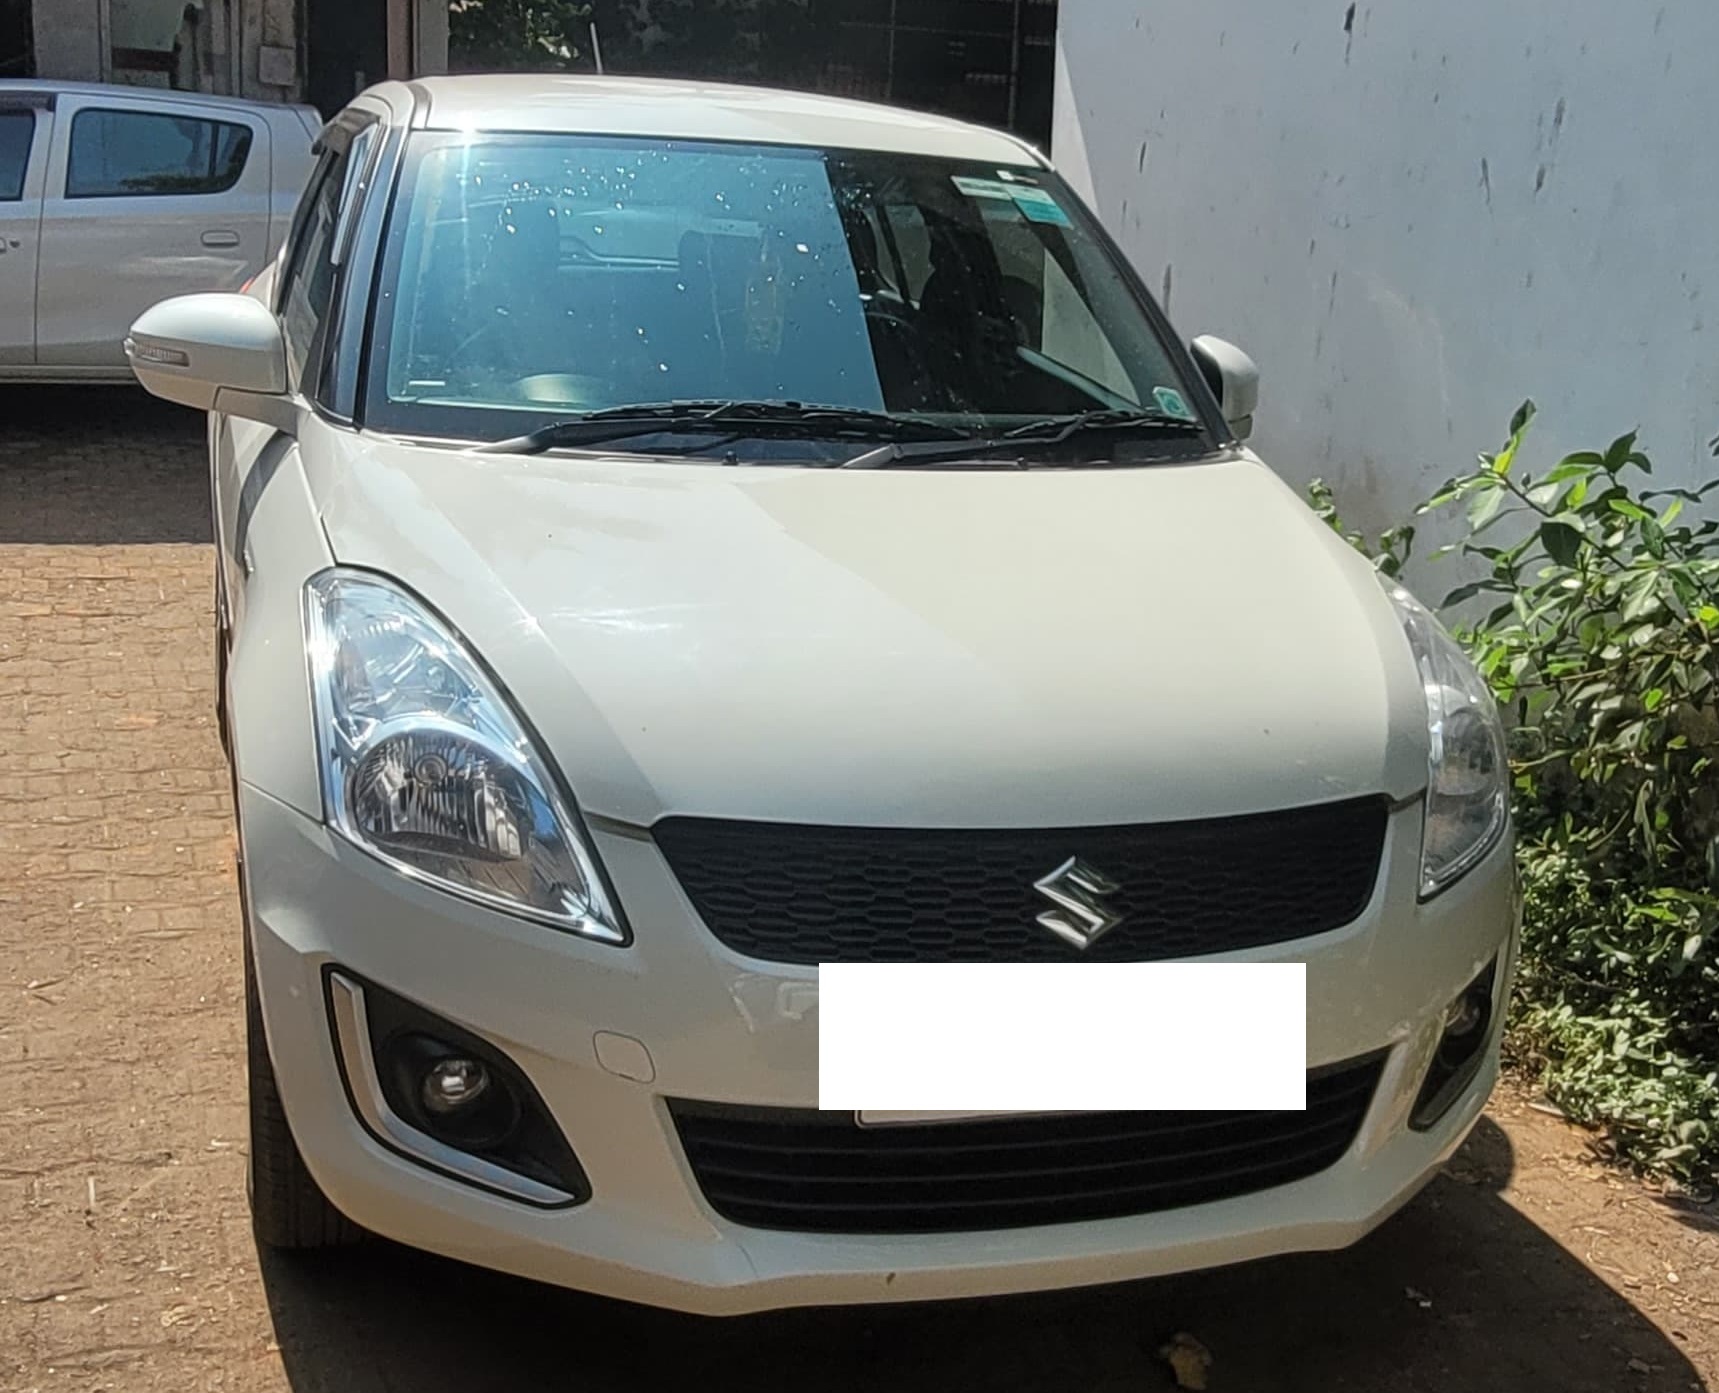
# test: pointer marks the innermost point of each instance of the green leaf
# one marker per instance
(1692, 947)
(1641, 597)
(1524, 414)
(1542, 494)
(1618, 453)
(1465, 592)
(1485, 505)
(1500, 463)
(1563, 543)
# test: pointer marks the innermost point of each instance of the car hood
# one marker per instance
(947, 648)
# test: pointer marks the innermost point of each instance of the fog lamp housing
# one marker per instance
(447, 1098)
(1468, 1022)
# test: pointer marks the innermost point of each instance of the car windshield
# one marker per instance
(533, 279)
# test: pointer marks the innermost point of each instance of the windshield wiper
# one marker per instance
(1052, 430)
(729, 418)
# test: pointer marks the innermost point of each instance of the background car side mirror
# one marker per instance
(215, 353)
(1233, 378)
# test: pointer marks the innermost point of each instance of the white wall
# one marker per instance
(1418, 220)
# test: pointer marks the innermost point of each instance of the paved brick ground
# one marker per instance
(120, 1177)
(125, 1255)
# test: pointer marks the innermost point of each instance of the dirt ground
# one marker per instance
(126, 1261)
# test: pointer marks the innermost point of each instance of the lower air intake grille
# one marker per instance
(815, 1172)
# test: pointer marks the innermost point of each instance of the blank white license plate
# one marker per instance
(896, 1119)
(1002, 1039)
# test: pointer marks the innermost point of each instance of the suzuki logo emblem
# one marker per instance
(1077, 890)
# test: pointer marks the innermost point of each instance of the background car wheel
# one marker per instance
(288, 1210)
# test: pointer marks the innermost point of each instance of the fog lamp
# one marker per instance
(1466, 1014)
(453, 1084)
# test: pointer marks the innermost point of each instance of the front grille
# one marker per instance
(818, 1172)
(798, 894)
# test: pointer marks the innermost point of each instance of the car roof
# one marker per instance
(688, 110)
(45, 87)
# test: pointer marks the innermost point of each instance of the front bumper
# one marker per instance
(695, 1021)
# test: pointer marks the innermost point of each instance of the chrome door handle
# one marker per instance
(220, 237)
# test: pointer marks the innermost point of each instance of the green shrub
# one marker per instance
(1600, 643)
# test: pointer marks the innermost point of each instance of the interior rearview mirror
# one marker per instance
(215, 353)
(1233, 378)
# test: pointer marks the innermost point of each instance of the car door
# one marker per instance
(26, 124)
(146, 198)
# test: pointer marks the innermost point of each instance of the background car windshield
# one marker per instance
(536, 277)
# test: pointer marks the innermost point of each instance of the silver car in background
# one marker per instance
(112, 197)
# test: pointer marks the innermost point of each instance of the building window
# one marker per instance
(132, 154)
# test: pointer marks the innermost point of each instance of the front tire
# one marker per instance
(221, 668)
(288, 1208)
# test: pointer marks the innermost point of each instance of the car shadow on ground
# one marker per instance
(1458, 1292)
(100, 466)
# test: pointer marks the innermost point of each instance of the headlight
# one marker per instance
(425, 766)
(1468, 776)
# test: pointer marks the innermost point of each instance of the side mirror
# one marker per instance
(1233, 378)
(215, 353)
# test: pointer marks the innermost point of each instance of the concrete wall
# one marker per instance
(69, 38)
(1415, 214)
(73, 39)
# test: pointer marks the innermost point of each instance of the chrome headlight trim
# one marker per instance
(414, 731)
(1466, 806)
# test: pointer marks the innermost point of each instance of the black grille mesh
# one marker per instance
(817, 1172)
(800, 894)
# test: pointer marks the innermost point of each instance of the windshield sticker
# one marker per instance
(982, 188)
(1171, 404)
(1037, 205)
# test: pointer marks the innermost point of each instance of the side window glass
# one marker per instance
(352, 181)
(131, 154)
(309, 287)
(17, 128)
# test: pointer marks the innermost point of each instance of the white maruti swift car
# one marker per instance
(672, 537)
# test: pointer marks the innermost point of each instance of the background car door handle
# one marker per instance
(220, 237)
